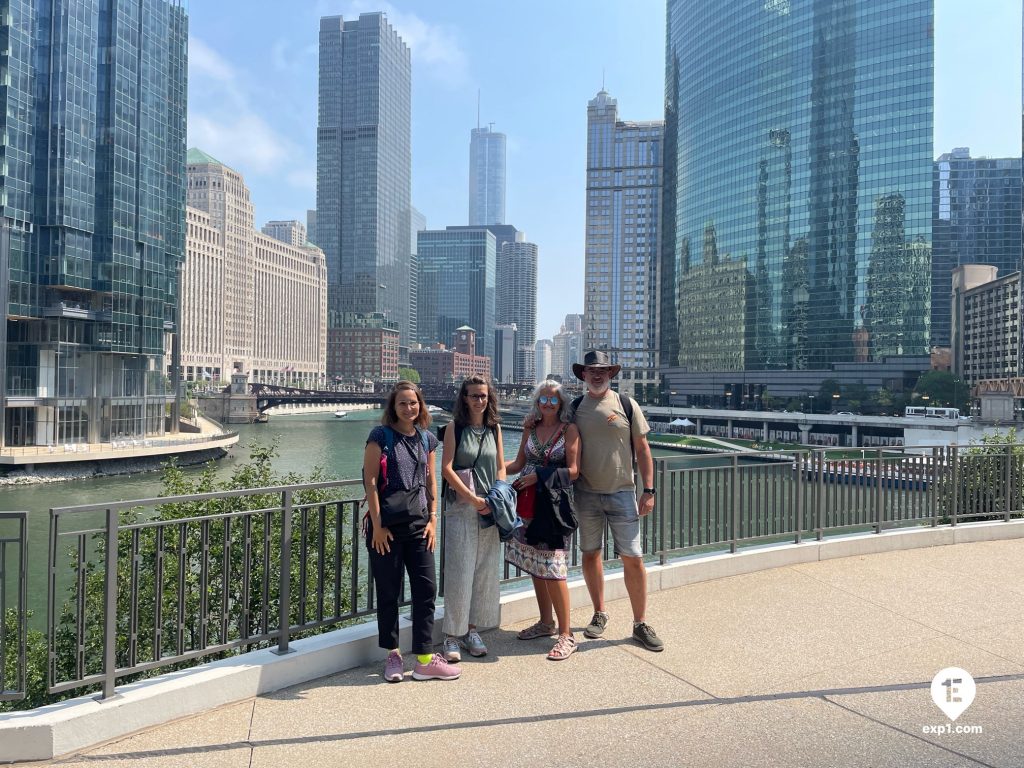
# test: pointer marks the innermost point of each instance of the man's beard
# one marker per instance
(599, 389)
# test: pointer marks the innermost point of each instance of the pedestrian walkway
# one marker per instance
(821, 664)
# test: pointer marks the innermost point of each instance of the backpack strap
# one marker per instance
(626, 403)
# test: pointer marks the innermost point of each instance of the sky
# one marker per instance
(253, 101)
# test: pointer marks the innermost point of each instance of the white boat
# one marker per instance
(340, 414)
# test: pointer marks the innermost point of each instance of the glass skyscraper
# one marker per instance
(798, 179)
(976, 220)
(364, 169)
(486, 177)
(624, 182)
(92, 214)
(456, 268)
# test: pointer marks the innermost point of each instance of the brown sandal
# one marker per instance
(540, 629)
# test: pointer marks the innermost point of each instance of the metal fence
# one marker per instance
(158, 583)
(13, 604)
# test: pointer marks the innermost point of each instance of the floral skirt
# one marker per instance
(539, 561)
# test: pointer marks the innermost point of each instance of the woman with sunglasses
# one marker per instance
(471, 461)
(553, 443)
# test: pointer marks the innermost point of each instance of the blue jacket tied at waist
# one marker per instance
(501, 498)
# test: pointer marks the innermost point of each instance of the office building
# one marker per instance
(486, 177)
(567, 348)
(542, 359)
(456, 284)
(987, 324)
(364, 169)
(516, 302)
(311, 225)
(976, 220)
(364, 349)
(291, 232)
(624, 170)
(800, 133)
(92, 216)
(251, 303)
(440, 365)
(504, 353)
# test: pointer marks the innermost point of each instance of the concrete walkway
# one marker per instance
(822, 664)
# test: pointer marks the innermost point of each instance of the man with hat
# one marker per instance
(612, 430)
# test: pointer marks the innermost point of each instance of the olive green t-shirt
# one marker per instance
(606, 461)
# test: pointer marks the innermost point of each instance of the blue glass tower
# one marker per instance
(92, 214)
(798, 162)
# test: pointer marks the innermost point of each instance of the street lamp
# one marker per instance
(835, 401)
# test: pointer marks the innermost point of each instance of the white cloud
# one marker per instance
(223, 121)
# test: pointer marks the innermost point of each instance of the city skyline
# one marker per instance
(539, 105)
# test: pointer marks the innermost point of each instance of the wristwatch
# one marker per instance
(649, 490)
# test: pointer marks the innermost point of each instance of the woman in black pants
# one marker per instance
(398, 470)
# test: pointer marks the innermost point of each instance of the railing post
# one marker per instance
(285, 585)
(1008, 488)
(879, 501)
(110, 609)
(933, 485)
(799, 497)
(661, 506)
(735, 474)
(955, 462)
(818, 458)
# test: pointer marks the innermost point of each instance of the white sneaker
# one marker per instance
(450, 649)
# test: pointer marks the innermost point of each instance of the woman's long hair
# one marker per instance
(563, 404)
(390, 416)
(460, 411)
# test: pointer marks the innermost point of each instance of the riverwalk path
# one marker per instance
(827, 663)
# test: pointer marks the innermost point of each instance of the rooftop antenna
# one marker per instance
(478, 109)
(602, 78)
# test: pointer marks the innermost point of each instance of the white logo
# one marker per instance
(953, 691)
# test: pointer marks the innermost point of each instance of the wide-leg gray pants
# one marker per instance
(471, 563)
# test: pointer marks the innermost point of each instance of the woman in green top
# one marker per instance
(471, 553)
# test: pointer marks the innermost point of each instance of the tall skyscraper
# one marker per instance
(311, 225)
(364, 168)
(624, 162)
(799, 149)
(542, 361)
(486, 177)
(517, 301)
(976, 220)
(92, 215)
(456, 285)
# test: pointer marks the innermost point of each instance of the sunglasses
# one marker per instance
(475, 396)
(542, 400)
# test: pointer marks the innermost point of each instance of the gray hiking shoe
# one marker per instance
(644, 634)
(596, 626)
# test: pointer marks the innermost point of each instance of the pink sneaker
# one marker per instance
(394, 669)
(437, 669)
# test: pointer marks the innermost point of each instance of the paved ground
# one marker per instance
(825, 664)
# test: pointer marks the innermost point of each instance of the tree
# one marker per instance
(409, 374)
(943, 389)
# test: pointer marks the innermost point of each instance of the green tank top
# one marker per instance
(486, 470)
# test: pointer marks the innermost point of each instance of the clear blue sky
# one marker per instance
(253, 86)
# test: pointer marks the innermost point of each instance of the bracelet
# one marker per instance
(649, 490)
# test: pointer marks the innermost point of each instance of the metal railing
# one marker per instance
(143, 585)
(13, 620)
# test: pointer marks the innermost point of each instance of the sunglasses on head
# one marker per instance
(542, 400)
(477, 396)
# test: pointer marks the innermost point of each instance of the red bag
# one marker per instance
(525, 499)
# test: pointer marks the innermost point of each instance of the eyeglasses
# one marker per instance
(476, 396)
(542, 400)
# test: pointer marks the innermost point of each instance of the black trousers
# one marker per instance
(407, 555)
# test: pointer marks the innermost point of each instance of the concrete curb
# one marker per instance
(73, 725)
